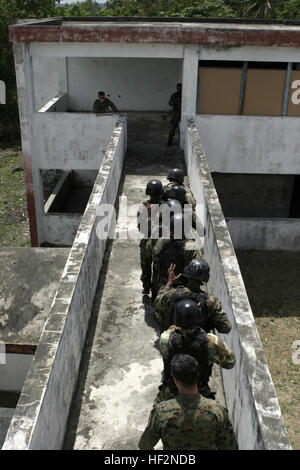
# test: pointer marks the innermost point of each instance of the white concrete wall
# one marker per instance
(46, 79)
(70, 141)
(251, 144)
(57, 104)
(264, 234)
(41, 415)
(60, 229)
(250, 395)
(14, 372)
(133, 84)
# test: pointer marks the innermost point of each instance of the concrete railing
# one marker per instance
(57, 104)
(250, 395)
(251, 144)
(70, 141)
(40, 419)
(252, 233)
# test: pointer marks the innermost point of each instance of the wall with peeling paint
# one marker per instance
(250, 394)
(264, 234)
(71, 141)
(46, 79)
(42, 411)
(251, 144)
(13, 373)
(133, 84)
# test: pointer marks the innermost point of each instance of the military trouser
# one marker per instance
(175, 119)
(157, 280)
(146, 264)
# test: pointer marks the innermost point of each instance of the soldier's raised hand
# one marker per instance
(171, 275)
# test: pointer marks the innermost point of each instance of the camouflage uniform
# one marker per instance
(189, 422)
(175, 102)
(103, 107)
(215, 317)
(155, 247)
(145, 254)
(189, 198)
(218, 353)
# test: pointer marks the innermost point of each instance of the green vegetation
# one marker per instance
(14, 227)
(275, 298)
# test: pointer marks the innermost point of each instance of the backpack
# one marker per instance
(199, 297)
(196, 345)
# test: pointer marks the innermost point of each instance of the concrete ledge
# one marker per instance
(41, 416)
(250, 395)
(56, 104)
(250, 144)
(264, 234)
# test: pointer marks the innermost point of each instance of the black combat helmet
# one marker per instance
(176, 192)
(154, 188)
(197, 269)
(174, 205)
(186, 313)
(176, 175)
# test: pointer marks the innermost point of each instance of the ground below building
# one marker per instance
(272, 283)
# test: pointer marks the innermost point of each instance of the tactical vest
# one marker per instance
(196, 345)
(199, 297)
(171, 253)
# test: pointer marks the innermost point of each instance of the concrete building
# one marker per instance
(239, 130)
(240, 83)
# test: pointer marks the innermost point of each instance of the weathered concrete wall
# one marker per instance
(13, 373)
(57, 103)
(251, 144)
(264, 234)
(45, 75)
(71, 141)
(60, 229)
(132, 84)
(249, 390)
(41, 415)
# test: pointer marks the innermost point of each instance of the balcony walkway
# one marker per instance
(121, 364)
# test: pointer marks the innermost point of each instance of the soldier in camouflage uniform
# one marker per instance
(103, 104)
(188, 421)
(175, 102)
(176, 178)
(154, 189)
(186, 336)
(178, 251)
(195, 274)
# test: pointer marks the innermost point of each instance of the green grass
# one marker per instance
(14, 226)
(272, 283)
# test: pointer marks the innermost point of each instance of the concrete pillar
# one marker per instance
(26, 101)
(189, 86)
(62, 63)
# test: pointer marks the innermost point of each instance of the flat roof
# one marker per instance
(212, 31)
(29, 279)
